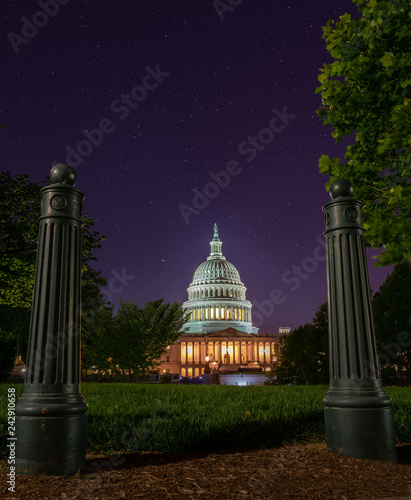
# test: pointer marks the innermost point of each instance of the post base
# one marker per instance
(361, 432)
(50, 445)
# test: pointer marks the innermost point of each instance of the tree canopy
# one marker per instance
(132, 341)
(392, 317)
(366, 91)
(96, 338)
(304, 352)
(19, 212)
(8, 351)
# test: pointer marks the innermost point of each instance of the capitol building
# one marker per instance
(219, 335)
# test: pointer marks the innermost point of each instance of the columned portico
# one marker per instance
(227, 350)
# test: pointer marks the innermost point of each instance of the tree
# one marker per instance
(366, 91)
(8, 354)
(15, 322)
(141, 335)
(96, 338)
(304, 352)
(391, 307)
(19, 212)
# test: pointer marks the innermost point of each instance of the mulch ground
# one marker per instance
(285, 472)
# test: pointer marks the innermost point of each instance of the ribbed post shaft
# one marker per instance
(51, 413)
(358, 412)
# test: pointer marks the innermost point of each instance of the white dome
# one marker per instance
(216, 295)
(217, 270)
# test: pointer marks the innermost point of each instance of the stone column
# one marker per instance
(51, 416)
(358, 413)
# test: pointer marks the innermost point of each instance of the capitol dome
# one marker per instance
(209, 270)
(216, 296)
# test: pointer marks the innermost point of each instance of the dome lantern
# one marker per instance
(216, 245)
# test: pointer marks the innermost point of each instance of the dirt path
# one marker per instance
(286, 472)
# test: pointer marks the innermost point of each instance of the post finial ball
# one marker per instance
(63, 174)
(341, 187)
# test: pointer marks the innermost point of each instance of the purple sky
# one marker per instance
(178, 93)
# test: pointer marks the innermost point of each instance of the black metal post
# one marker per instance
(358, 412)
(51, 416)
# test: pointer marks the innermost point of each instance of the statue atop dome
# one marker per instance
(216, 232)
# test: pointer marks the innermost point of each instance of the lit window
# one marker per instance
(189, 354)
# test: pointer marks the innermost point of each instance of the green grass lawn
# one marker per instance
(176, 418)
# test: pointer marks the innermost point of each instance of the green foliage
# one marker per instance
(8, 353)
(19, 212)
(16, 322)
(132, 341)
(175, 418)
(304, 353)
(141, 335)
(366, 91)
(96, 334)
(392, 317)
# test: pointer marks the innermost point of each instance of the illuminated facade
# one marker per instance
(219, 336)
(229, 350)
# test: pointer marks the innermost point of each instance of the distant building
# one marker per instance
(283, 330)
(219, 335)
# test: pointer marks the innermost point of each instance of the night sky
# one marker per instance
(180, 94)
